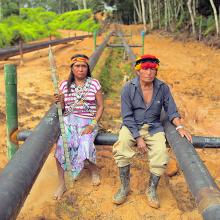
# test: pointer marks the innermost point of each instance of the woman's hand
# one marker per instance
(88, 129)
(59, 98)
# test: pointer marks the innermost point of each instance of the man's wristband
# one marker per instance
(179, 127)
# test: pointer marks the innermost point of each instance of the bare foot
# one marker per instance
(95, 178)
(60, 191)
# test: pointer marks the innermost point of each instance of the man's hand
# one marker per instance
(88, 129)
(185, 133)
(142, 147)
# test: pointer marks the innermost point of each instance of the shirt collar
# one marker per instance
(136, 82)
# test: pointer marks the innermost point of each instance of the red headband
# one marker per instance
(148, 65)
(147, 61)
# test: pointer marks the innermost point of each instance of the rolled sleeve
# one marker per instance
(170, 105)
(127, 113)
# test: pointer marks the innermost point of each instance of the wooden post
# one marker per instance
(21, 52)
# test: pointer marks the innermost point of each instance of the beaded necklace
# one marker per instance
(81, 92)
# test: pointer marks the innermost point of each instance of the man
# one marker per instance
(142, 100)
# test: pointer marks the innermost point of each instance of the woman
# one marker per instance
(82, 103)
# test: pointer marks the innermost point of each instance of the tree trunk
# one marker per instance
(84, 4)
(194, 8)
(165, 14)
(219, 16)
(78, 4)
(169, 14)
(175, 9)
(200, 29)
(60, 6)
(134, 14)
(1, 15)
(138, 10)
(216, 17)
(150, 15)
(158, 10)
(191, 16)
(143, 15)
(179, 7)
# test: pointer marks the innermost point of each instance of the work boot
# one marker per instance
(151, 191)
(122, 193)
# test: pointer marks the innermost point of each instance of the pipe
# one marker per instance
(96, 55)
(94, 39)
(110, 139)
(121, 45)
(20, 173)
(11, 108)
(201, 184)
(13, 51)
(206, 142)
(130, 53)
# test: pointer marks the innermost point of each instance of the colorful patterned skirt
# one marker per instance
(80, 147)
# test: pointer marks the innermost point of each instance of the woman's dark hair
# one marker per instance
(71, 77)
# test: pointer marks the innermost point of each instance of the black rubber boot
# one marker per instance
(151, 191)
(121, 195)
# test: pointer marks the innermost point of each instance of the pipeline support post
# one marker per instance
(94, 38)
(142, 41)
(11, 108)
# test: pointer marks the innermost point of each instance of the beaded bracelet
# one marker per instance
(93, 122)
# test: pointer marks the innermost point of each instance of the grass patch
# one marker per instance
(111, 75)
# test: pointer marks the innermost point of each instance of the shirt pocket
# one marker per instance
(156, 107)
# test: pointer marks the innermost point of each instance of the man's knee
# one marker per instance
(159, 161)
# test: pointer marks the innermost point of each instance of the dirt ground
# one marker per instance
(192, 71)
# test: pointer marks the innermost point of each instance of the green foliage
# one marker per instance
(9, 8)
(209, 27)
(5, 35)
(76, 20)
(36, 23)
(182, 21)
(96, 5)
(112, 73)
(104, 79)
(37, 15)
(89, 25)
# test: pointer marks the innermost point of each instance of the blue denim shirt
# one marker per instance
(135, 112)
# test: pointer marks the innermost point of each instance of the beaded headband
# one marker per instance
(79, 59)
(147, 61)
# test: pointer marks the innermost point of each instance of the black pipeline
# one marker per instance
(128, 50)
(96, 55)
(13, 51)
(201, 184)
(20, 173)
(110, 139)
(22, 170)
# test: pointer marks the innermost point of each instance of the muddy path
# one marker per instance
(192, 71)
